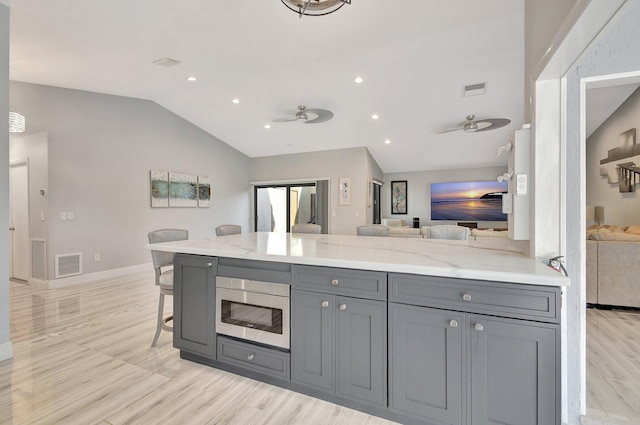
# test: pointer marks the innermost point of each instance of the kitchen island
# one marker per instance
(416, 330)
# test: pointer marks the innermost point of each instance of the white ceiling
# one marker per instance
(414, 55)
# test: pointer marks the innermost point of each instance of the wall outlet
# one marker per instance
(96, 256)
(63, 216)
(42, 216)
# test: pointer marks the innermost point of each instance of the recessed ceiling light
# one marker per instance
(374, 117)
(358, 80)
(236, 101)
(267, 126)
(387, 141)
(191, 78)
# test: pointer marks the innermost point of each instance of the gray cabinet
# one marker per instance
(194, 301)
(514, 372)
(451, 365)
(426, 362)
(312, 339)
(338, 345)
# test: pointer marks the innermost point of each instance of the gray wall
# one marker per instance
(5, 344)
(620, 208)
(101, 149)
(419, 195)
(614, 51)
(354, 163)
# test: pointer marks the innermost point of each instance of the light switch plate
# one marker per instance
(63, 216)
(70, 215)
(521, 184)
(507, 203)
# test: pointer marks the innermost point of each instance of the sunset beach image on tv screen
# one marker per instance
(468, 201)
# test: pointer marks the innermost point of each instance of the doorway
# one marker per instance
(376, 186)
(19, 220)
(279, 207)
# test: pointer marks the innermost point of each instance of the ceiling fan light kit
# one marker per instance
(321, 115)
(472, 125)
(314, 7)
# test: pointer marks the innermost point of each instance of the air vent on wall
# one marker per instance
(474, 89)
(166, 62)
(38, 259)
(68, 264)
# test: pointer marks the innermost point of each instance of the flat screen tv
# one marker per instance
(468, 201)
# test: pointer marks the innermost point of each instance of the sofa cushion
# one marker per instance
(489, 233)
(633, 230)
(393, 222)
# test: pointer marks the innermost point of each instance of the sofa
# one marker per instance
(613, 265)
(398, 228)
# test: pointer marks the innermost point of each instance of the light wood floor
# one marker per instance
(613, 366)
(82, 356)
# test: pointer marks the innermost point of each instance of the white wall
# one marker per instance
(354, 163)
(615, 50)
(620, 208)
(6, 350)
(419, 192)
(100, 151)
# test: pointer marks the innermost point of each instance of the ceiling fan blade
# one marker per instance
(323, 115)
(493, 124)
(285, 119)
(449, 130)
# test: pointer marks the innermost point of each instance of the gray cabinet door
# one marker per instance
(514, 372)
(312, 339)
(361, 349)
(194, 301)
(426, 362)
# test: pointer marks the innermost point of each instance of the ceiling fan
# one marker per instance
(472, 125)
(309, 116)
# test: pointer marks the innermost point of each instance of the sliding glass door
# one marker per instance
(279, 207)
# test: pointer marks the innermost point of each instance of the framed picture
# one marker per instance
(344, 195)
(204, 191)
(399, 197)
(159, 189)
(183, 190)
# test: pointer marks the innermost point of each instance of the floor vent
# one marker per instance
(38, 259)
(68, 264)
(474, 89)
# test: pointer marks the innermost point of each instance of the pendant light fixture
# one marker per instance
(314, 7)
(16, 122)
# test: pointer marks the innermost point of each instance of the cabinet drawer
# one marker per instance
(255, 358)
(495, 298)
(356, 283)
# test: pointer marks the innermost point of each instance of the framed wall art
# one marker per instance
(399, 197)
(345, 191)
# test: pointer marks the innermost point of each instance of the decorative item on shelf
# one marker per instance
(345, 191)
(314, 7)
(503, 149)
(16, 122)
(399, 197)
(505, 176)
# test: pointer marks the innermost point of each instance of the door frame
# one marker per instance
(24, 162)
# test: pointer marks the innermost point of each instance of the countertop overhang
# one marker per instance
(444, 258)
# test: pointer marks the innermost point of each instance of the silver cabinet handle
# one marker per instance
(250, 357)
(209, 264)
(325, 303)
(453, 323)
(478, 327)
(12, 229)
(466, 297)
(343, 307)
(335, 282)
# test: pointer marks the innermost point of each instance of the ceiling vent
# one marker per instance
(474, 89)
(166, 62)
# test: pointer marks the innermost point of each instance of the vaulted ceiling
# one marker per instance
(414, 56)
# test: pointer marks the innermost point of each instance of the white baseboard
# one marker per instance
(94, 277)
(6, 351)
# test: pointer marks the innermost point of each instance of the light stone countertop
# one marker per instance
(457, 259)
